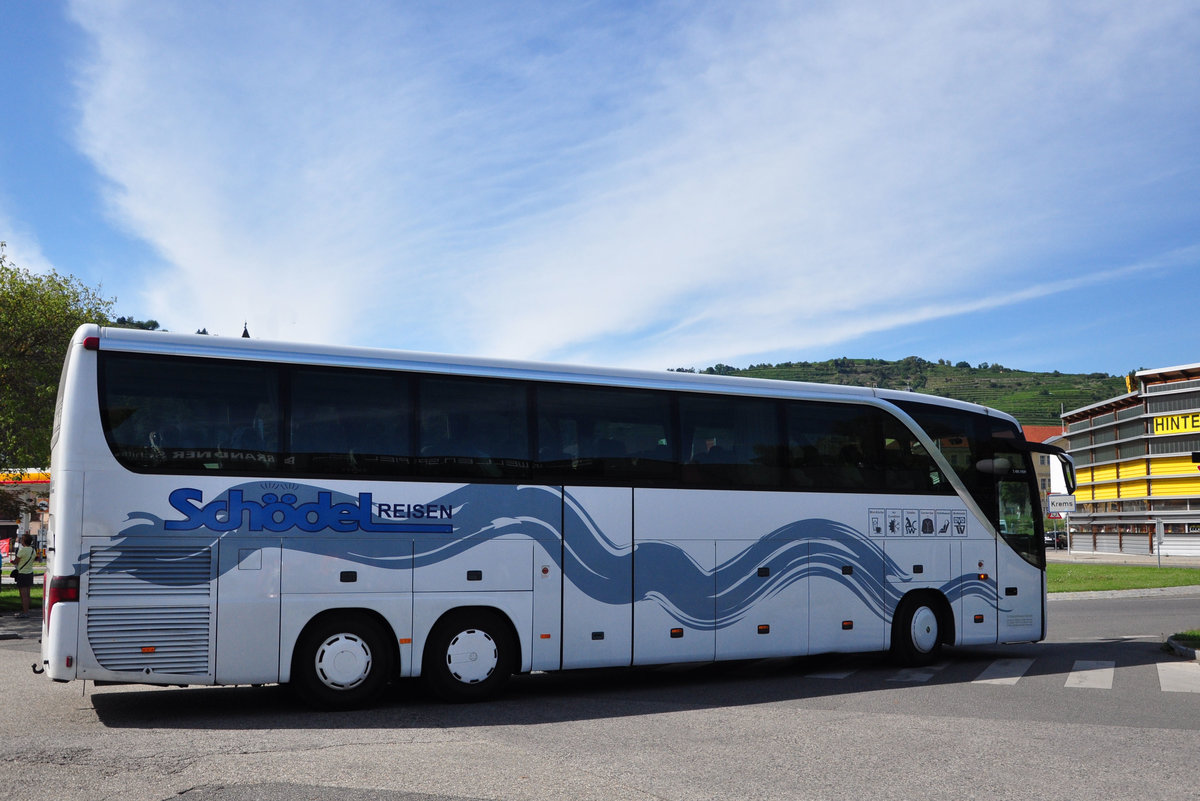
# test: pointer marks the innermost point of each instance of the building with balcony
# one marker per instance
(1137, 459)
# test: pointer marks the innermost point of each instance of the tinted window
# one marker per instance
(857, 448)
(730, 442)
(1018, 505)
(590, 433)
(191, 414)
(827, 445)
(473, 428)
(905, 463)
(966, 440)
(350, 421)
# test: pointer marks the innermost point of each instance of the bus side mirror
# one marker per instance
(1064, 460)
(1068, 468)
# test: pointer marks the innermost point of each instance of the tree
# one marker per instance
(38, 314)
(13, 505)
(129, 322)
(720, 369)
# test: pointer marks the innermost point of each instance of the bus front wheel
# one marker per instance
(342, 662)
(469, 656)
(916, 631)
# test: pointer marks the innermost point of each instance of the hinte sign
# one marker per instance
(1056, 502)
(1176, 423)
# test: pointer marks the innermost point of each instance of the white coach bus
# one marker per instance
(235, 511)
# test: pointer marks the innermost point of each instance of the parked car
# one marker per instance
(1056, 540)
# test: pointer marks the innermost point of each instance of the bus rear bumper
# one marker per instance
(59, 646)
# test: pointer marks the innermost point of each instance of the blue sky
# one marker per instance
(653, 184)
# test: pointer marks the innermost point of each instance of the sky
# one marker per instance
(637, 184)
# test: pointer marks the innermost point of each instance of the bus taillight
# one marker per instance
(60, 588)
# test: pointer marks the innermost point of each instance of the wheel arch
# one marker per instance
(341, 613)
(418, 658)
(939, 603)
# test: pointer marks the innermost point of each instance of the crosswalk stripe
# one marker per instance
(918, 674)
(1173, 677)
(1004, 671)
(1179, 677)
(1092, 675)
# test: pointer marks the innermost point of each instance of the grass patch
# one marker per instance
(10, 599)
(1189, 638)
(1071, 577)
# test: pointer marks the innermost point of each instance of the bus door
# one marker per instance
(976, 611)
(1020, 567)
(597, 598)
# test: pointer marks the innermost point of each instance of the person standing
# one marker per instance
(23, 573)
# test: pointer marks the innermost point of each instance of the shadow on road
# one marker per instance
(597, 694)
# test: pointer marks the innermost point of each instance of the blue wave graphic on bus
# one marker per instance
(463, 518)
(800, 551)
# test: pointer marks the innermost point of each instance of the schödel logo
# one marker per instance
(280, 513)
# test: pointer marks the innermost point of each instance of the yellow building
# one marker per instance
(1137, 458)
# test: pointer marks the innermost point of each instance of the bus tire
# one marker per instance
(342, 661)
(917, 630)
(469, 655)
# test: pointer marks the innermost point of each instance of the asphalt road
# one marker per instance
(1004, 722)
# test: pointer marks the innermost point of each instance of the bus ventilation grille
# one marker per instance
(132, 640)
(141, 571)
(150, 610)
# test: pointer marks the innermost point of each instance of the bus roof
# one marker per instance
(200, 345)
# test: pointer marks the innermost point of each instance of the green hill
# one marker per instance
(1033, 398)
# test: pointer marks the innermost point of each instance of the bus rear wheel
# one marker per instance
(469, 656)
(342, 662)
(916, 631)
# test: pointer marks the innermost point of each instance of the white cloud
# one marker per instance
(654, 187)
(829, 177)
(21, 246)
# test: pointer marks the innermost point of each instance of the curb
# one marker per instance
(1150, 592)
(1180, 649)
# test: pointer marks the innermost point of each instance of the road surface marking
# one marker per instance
(918, 674)
(1179, 677)
(1004, 671)
(1091, 675)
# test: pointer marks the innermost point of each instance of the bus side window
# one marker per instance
(826, 444)
(191, 415)
(350, 421)
(473, 428)
(592, 433)
(906, 464)
(730, 442)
